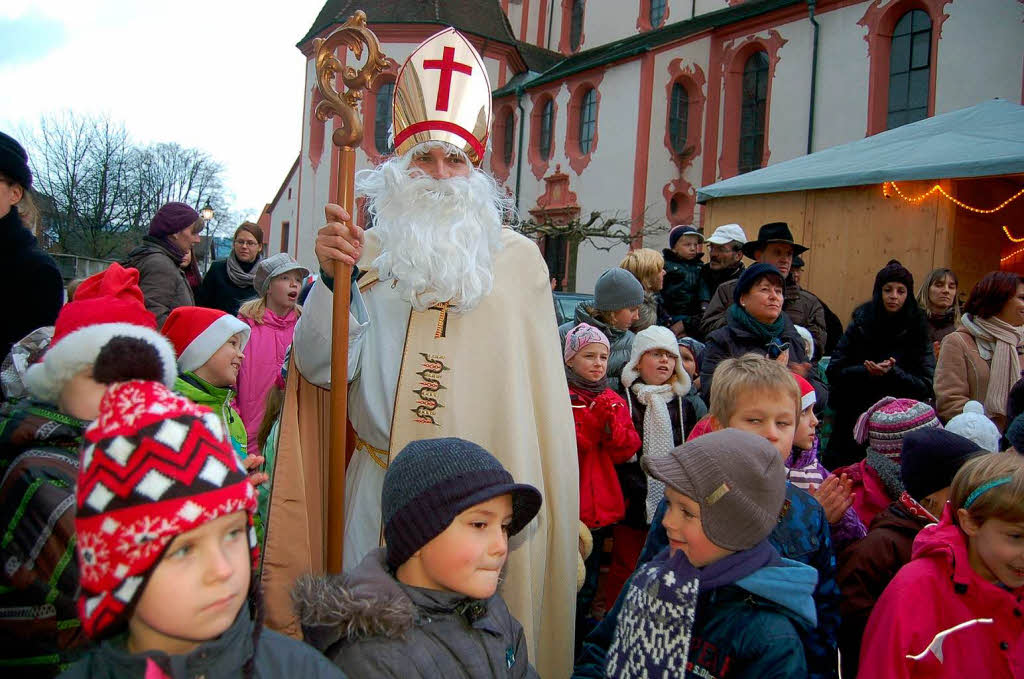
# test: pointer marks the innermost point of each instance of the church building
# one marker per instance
(628, 107)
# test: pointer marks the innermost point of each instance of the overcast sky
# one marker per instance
(221, 75)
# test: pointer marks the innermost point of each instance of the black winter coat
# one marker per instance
(733, 341)
(680, 291)
(854, 390)
(218, 292)
(34, 275)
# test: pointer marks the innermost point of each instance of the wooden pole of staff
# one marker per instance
(343, 102)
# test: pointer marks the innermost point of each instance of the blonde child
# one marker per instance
(427, 604)
(271, 319)
(648, 266)
(166, 548)
(955, 609)
(605, 437)
(760, 396)
(656, 386)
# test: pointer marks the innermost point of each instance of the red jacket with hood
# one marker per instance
(930, 609)
(605, 437)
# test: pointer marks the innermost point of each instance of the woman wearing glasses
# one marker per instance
(228, 283)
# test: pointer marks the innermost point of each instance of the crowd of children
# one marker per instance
(718, 543)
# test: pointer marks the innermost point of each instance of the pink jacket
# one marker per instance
(264, 356)
(869, 493)
(930, 610)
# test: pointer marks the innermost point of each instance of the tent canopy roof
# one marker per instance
(983, 140)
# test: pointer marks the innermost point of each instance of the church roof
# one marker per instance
(642, 42)
(484, 18)
(983, 140)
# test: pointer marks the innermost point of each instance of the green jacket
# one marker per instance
(221, 401)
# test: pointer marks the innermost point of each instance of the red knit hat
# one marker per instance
(154, 465)
(197, 333)
(807, 395)
(106, 305)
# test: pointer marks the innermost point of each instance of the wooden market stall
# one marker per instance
(945, 191)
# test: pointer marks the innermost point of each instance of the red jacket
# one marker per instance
(869, 494)
(937, 591)
(605, 437)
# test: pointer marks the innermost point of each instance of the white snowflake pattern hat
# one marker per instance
(153, 465)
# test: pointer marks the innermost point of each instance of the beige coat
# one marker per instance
(961, 375)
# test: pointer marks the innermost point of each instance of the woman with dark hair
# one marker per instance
(938, 298)
(980, 360)
(228, 283)
(885, 351)
(755, 324)
(174, 230)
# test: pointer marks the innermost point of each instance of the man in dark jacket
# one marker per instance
(26, 269)
(725, 260)
(775, 246)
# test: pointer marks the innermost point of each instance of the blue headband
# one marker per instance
(988, 485)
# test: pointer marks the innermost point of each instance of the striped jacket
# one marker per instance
(39, 628)
(804, 470)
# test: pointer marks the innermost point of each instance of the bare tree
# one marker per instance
(99, 190)
(601, 231)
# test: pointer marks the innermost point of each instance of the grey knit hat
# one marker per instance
(617, 289)
(737, 478)
(432, 481)
(270, 268)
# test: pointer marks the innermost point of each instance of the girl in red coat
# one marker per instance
(605, 437)
(956, 609)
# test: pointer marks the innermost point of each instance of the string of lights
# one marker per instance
(1006, 230)
(1003, 260)
(886, 186)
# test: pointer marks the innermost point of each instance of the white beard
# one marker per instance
(438, 237)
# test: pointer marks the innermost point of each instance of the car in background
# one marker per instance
(566, 303)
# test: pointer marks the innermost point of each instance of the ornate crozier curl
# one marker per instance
(438, 237)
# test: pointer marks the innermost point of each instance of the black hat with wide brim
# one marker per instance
(775, 232)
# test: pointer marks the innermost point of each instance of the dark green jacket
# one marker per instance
(680, 292)
(39, 628)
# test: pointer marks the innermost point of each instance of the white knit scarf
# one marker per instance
(997, 343)
(658, 440)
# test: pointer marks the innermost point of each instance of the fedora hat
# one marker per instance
(775, 232)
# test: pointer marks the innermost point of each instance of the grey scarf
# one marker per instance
(240, 276)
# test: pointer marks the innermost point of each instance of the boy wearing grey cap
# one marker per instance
(719, 601)
(426, 605)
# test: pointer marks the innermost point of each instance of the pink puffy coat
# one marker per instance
(929, 610)
(264, 356)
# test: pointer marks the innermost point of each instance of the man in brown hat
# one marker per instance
(775, 246)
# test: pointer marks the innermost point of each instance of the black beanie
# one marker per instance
(894, 272)
(751, 275)
(432, 481)
(931, 458)
(14, 161)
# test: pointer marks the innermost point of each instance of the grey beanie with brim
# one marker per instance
(617, 289)
(270, 268)
(737, 478)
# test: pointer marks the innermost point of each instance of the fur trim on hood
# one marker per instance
(367, 602)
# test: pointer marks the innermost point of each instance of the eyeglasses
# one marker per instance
(246, 243)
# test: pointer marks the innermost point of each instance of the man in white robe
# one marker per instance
(452, 333)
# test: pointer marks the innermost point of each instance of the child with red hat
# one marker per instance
(104, 335)
(209, 343)
(804, 470)
(167, 547)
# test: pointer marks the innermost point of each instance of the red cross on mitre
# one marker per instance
(447, 65)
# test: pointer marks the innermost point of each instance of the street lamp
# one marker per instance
(207, 214)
